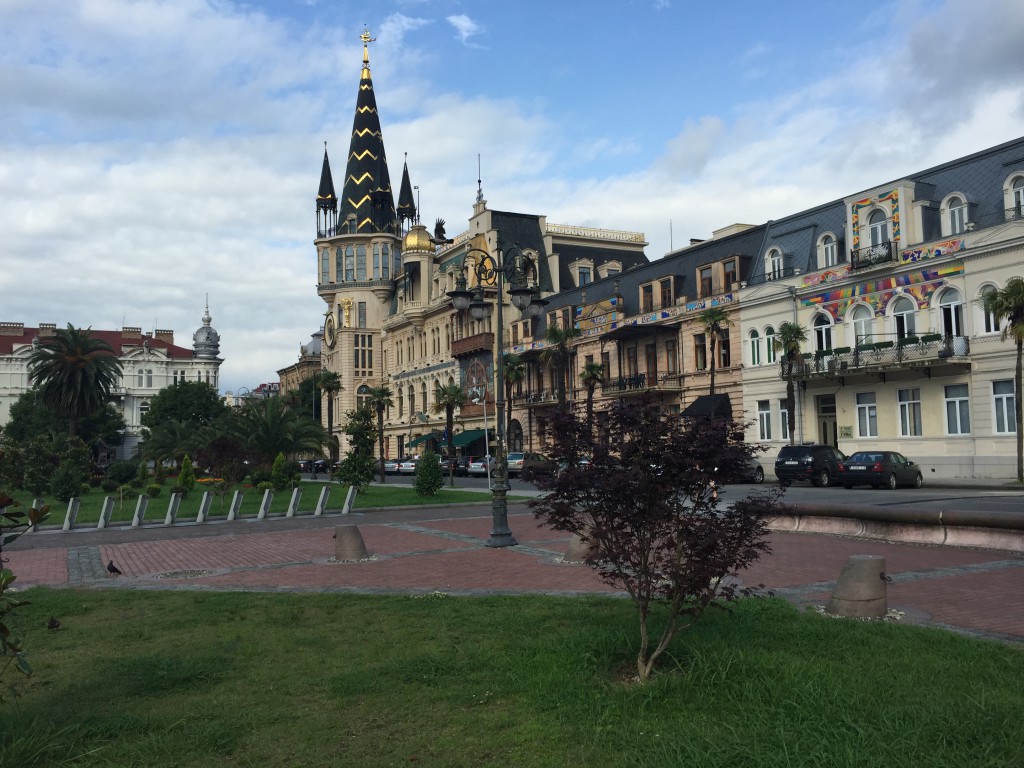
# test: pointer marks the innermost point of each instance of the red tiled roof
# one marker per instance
(116, 339)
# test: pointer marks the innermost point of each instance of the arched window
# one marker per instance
(862, 320)
(149, 377)
(755, 348)
(361, 262)
(956, 215)
(401, 403)
(423, 397)
(773, 264)
(1017, 199)
(142, 377)
(878, 228)
(903, 316)
(951, 312)
(829, 254)
(363, 397)
(769, 344)
(143, 409)
(989, 321)
(350, 264)
(822, 333)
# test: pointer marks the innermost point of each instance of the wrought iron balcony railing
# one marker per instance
(872, 255)
(910, 351)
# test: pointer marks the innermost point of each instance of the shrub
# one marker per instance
(429, 477)
(266, 485)
(159, 473)
(279, 475)
(179, 489)
(122, 471)
(110, 485)
(66, 482)
(186, 475)
(153, 490)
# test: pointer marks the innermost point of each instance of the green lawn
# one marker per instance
(194, 679)
(372, 497)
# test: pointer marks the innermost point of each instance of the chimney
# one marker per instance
(47, 329)
(12, 329)
(131, 332)
(165, 335)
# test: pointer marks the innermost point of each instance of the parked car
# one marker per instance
(462, 466)
(818, 464)
(879, 468)
(305, 465)
(448, 465)
(321, 466)
(391, 466)
(515, 463)
(479, 467)
(537, 464)
(407, 466)
(752, 472)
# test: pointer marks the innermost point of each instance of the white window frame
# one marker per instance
(771, 354)
(828, 248)
(822, 332)
(764, 419)
(956, 215)
(910, 412)
(908, 317)
(1003, 405)
(783, 419)
(867, 414)
(951, 306)
(774, 264)
(878, 228)
(989, 323)
(863, 327)
(958, 409)
(755, 347)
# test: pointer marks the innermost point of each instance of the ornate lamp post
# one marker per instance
(513, 267)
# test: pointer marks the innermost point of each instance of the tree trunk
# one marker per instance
(380, 441)
(791, 405)
(449, 412)
(712, 388)
(1019, 415)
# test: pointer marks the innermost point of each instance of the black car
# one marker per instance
(818, 464)
(462, 466)
(879, 468)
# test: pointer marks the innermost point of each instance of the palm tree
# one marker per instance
(788, 341)
(380, 398)
(447, 399)
(714, 320)
(330, 383)
(591, 375)
(514, 371)
(558, 354)
(171, 439)
(1007, 305)
(269, 427)
(76, 372)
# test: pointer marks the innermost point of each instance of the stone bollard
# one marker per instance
(860, 591)
(348, 544)
(579, 548)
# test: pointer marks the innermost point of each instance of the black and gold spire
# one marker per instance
(367, 202)
(326, 201)
(406, 203)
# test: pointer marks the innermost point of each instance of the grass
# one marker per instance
(373, 496)
(189, 679)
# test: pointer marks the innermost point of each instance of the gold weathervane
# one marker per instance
(365, 37)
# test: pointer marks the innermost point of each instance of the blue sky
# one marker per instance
(152, 153)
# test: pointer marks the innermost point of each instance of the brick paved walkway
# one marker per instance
(976, 591)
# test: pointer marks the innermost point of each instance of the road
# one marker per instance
(979, 497)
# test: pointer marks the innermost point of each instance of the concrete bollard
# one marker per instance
(348, 544)
(172, 509)
(350, 500)
(204, 507)
(860, 591)
(72, 514)
(293, 503)
(235, 508)
(268, 497)
(321, 504)
(106, 512)
(140, 510)
(579, 548)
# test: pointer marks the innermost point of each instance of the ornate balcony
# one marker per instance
(641, 383)
(470, 345)
(908, 353)
(872, 255)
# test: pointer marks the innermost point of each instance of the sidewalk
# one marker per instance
(443, 549)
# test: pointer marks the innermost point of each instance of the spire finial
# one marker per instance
(365, 37)
(479, 182)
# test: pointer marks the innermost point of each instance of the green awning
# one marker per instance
(462, 439)
(421, 439)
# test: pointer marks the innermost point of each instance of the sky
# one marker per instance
(156, 154)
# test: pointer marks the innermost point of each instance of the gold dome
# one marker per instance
(417, 239)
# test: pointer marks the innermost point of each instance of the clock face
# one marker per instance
(329, 334)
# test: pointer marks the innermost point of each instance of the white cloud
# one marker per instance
(465, 28)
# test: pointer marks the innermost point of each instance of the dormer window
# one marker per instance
(583, 276)
(609, 268)
(773, 264)
(828, 251)
(582, 270)
(1013, 197)
(706, 281)
(878, 228)
(957, 215)
(731, 276)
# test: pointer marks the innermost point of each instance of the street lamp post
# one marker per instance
(514, 267)
(487, 440)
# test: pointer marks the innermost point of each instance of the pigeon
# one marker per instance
(112, 569)
(53, 624)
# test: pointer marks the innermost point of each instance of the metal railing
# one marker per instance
(872, 255)
(910, 350)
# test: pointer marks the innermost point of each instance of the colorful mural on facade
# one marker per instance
(893, 197)
(933, 251)
(702, 304)
(599, 315)
(877, 294)
(829, 275)
(476, 373)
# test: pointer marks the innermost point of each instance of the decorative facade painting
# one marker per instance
(933, 251)
(829, 275)
(476, 376)
(892, 197)
(877, 294)
(598, 316)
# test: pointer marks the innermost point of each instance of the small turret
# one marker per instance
(206, 341)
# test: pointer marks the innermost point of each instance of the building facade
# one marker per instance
(885, 283)
(149, 362)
